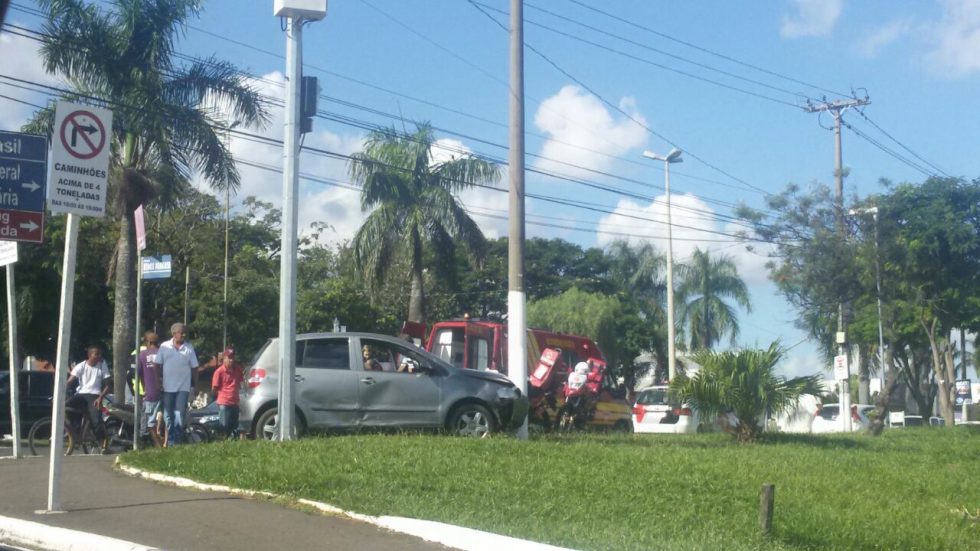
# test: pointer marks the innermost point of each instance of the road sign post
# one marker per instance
(23, 165)
(8, 256)
(77, 186)
(79, 159)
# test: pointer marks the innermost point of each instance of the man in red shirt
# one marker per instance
(226, 383)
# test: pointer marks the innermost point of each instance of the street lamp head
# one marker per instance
(673, 157)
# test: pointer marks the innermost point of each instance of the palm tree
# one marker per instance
(705, 283)
(639, 270)
(742, 382)
(416, 211)
(167, 117)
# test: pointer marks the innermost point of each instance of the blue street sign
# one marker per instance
(23, 171)
(156, 267)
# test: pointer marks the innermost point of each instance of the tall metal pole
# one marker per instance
(14, 385)
(61, 364)
(671, 337)
(290, 205)
(224, 333)
(136, 359)
(516, 301)
(881, 333)
(187, 291)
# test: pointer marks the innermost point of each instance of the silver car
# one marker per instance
(352, 380)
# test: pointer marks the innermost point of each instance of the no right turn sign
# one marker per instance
(80, 148)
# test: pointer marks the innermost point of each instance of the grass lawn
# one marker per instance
(898, 491)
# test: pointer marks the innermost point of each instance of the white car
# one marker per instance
(653, 412)
(827, 419)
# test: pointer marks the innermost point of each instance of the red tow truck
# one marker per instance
(482, 345)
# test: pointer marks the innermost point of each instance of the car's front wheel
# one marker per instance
(472, 420)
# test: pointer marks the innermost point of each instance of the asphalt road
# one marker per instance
(100, 500)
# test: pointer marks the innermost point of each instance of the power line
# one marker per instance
(353, 122)
(330, 154)
(704, 50)
(653, 63)
(902, 145)
(619, 109)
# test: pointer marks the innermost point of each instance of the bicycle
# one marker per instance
(77, 432)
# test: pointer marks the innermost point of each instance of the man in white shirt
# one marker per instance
(93, 378)
(179, 364)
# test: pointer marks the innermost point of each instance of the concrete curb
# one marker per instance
(36, 535)
(449, 535)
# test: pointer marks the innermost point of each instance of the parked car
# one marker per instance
(655, 412)
(34, 389)
(352, 380)
(826, 419)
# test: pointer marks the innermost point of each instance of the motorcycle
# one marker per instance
(119, 423)
(581, 392)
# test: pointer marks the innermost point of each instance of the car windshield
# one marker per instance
(653, 397)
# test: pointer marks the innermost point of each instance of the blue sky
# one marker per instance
(445, 61)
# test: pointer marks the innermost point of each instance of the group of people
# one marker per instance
(169, 372)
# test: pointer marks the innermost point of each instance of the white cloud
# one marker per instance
(956, 38)
(801, 364)
(334, 205)
(22, 60)
(811, 18)
(883, 36)
(693, 226)
(582, 132)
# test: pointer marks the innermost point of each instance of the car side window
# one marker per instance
(395, 357)
(326, 354)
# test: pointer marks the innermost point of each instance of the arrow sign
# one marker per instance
(18, 225)
(23, 171)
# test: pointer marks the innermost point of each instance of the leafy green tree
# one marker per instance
(415, 207)
(165, 115)
(936, 230)
(705, 283)
(743, 382)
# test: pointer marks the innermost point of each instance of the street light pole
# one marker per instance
(673, 157)
(296, 13)
(873, 211)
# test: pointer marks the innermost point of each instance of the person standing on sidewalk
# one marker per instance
(93, 382)
(151, 381)
(178, 362)
(227, 382)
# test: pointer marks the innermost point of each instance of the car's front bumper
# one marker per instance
(511, 407)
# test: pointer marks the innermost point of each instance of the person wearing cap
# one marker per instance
(227, 381)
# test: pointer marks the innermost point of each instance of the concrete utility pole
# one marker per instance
(516, 318)
(836, 108)
(296, 13)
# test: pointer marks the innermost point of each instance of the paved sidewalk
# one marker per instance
(100, 500)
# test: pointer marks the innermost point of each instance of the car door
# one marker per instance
(399, 398)
(326, 386)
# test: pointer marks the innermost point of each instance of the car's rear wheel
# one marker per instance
(267, 424)
(472, 420)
